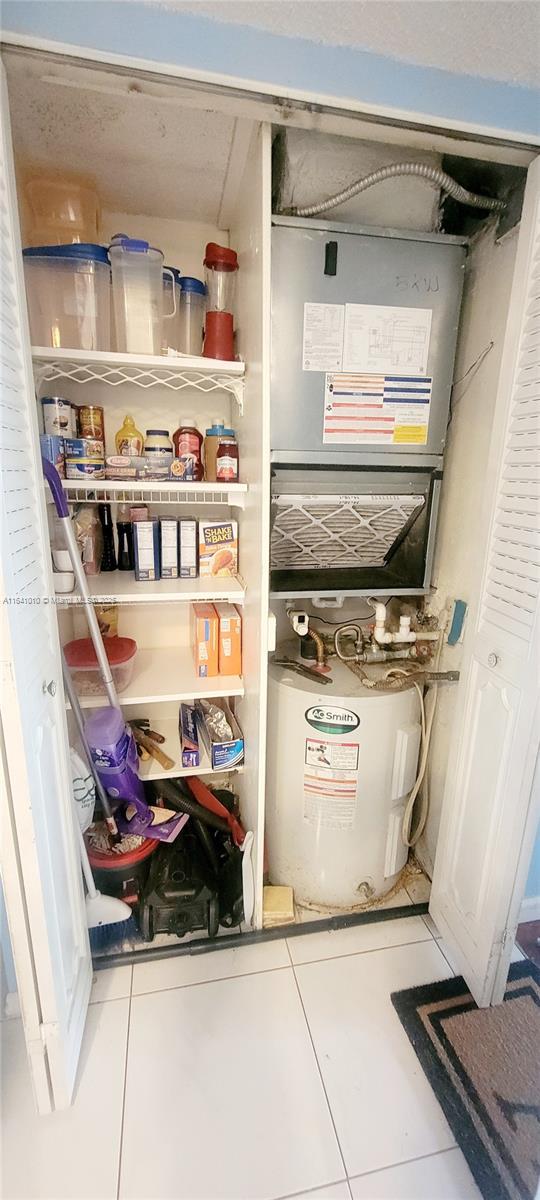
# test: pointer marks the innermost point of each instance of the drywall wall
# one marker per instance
(459, 549)
(290, 66)
(496, 39)
(315, 166)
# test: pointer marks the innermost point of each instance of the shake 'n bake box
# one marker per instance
(218, 548)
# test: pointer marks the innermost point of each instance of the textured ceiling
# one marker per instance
(145, 155)
(496, 39)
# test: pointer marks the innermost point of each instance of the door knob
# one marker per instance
(493, 659)
(50, 687)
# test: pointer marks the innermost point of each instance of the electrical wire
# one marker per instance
(422, 776)
(427, 708)
(475, 366)
(394, 170)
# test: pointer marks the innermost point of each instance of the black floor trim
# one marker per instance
(254, 936)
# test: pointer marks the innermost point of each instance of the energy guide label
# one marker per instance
(330, 783)
(376, 409)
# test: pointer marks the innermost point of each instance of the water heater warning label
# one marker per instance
(330, 783)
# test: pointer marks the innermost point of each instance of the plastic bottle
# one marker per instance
(124, 531)
(211, 442)
(188, 441)
(129, 440)
(108, 561)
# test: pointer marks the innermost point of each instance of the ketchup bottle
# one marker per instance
(187, 442)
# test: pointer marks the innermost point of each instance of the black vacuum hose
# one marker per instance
(182, 802)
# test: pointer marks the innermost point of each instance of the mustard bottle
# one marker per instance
(129, 440)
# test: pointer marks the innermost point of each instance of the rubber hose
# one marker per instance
(394, 170)
(207, 844)
(186, 804)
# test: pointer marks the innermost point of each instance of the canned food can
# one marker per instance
(91, 422)
(81, 468)
(57, 416)
(77, 448)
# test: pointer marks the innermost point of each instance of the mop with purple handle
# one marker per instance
(110, 745)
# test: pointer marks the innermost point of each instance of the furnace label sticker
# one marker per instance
(330, 783)
(376, 409)
(322, 343)
(379, 338)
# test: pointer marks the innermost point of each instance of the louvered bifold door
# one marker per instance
(40, 865)
(490, 809)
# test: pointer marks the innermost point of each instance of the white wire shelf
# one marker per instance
(140, 370)
(84, 491)
(121, 587)
(151, 769)
(168, 673)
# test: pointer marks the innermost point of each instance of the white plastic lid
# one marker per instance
(188, 422)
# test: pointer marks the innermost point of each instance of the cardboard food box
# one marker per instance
(205, 626)
(226, 753)
(168, 547)
(146, 549)
(230, 639)
(218, 548)
(189, 548)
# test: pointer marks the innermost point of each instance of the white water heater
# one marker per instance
(342, 760)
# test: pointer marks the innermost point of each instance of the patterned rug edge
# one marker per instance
(406, 1003)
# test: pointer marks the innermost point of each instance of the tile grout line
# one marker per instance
(447, 960)
(308, 962)
(323, 1085)
(178, 987)
(403, 1162)
(269, 970)
(122, 1119)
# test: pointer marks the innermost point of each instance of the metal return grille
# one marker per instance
(321, 532)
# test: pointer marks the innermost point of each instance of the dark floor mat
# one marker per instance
(484, 1067)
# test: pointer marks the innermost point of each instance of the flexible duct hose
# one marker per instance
(421, 170)
(186, 804)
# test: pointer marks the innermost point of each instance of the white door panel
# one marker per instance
(489, 813)
(40, 864)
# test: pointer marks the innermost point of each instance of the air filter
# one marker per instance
(332, 531)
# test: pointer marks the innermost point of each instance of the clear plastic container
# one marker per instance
(61, 210)
(137, 285)
(83, 664)
(192, 310)
(68, 295)
(171, 328)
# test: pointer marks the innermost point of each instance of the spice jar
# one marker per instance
(227, 466)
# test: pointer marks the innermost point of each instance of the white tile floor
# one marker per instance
(269, 1071)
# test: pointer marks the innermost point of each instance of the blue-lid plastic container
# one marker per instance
(68, 293)
(192, 312)
(137, 286)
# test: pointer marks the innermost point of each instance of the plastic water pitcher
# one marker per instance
(137, 284)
